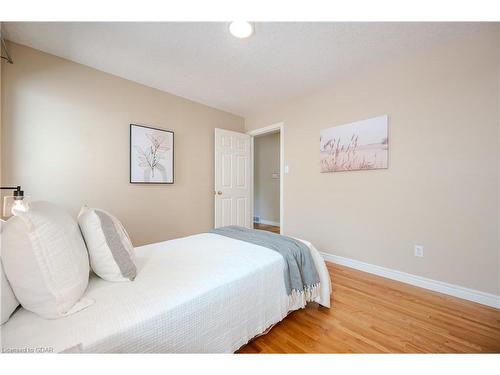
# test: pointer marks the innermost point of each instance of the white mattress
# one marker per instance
(199, 294)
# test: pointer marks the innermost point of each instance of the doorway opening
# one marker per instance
(267, 193)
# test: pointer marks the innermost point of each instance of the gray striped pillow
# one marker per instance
(110, 249)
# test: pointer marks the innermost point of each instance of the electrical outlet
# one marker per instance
(419, 251)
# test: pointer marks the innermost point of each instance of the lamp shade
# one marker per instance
(11, 205)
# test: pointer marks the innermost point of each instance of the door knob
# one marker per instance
(219, 192)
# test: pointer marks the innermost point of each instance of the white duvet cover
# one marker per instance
(199, 294)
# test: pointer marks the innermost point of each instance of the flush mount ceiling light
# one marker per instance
(241, 29)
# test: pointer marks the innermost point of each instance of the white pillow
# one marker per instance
(46, 261)
(9, 300)
(110, 249)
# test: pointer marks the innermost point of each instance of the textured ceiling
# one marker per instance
(204, 63)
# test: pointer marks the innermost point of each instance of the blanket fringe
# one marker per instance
(298, 299)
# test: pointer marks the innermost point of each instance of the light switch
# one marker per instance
(419, 251)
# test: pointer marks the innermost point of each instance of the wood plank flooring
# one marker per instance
(371, 314)
(270, 228)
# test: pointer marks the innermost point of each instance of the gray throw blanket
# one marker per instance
(301, 277)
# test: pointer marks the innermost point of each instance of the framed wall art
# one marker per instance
(151, 155)
(360, 145)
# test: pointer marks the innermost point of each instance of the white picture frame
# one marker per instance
(151, 155)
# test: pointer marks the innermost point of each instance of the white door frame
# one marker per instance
(279, 126)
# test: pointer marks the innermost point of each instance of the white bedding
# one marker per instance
(200, 294)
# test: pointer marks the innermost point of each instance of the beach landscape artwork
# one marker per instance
(360, 145)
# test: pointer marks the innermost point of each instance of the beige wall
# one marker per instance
(441, 189)
(1, 181)
(266, 188)
(66, 140)
(498, 109)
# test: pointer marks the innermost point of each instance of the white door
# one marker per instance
(232, 179)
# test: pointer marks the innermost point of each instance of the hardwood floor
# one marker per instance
(270, 228)
(371, 314)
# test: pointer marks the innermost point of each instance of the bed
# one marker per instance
(199, 294)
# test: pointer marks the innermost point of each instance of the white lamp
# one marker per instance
(15, 203)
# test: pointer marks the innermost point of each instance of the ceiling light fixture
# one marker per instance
(241, 29)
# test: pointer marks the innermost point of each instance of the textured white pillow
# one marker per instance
(110, 249)
(9, 300)
(46, 261)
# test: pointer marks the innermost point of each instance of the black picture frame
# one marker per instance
(130, 156)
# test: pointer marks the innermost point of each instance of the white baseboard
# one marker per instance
(483, 298)
(269, 222)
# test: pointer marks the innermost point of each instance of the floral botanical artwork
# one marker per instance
(356, 146)
(151, 155)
